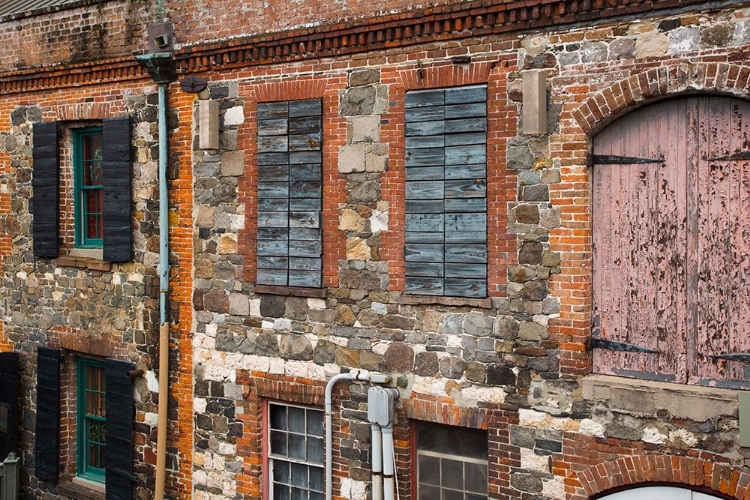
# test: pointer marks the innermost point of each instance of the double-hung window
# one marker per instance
(290, 193)
(451, 463)
(295, 455)
(92, 420)
(446, 192)
(88, 187)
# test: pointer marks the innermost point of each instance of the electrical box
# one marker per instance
(380, 402)
(534, 102)
(208, 125)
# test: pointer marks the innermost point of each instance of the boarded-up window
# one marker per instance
(446, 192)
(290, 187)
(671, 262)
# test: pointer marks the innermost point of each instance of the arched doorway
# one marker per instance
(658, 493)
(671, 201)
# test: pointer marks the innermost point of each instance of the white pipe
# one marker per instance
(389, 484)
(375, 378)
(377, 463)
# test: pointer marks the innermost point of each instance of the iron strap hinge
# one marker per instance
(596, 342)
(620, 160)
(742, 155)
(742, 357)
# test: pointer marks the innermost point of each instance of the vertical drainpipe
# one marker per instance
(161, 436)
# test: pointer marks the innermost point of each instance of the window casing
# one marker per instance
(451, 463)
(91, 420)
(290, 193)
(88, 187)
(446, 192)
(295, 452)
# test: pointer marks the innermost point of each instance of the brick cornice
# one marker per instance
(442, 23)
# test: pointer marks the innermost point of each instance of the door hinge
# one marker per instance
(596, 342)
(620, 160)
(742, 357)
(742, 155)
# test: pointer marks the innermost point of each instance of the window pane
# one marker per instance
(317, 496)
(453, 495)
(429, 493)
(317, 479)
(278, 443)
(452, 474)
(280, 492)
(298, 494)
(452, 440)
(299, 475)
(476, 478)
(297, 419)
(280, 471)
(429, 470)
(315, 422)
(315, 450)
(297, 446)
(476, 497)
(278, 417)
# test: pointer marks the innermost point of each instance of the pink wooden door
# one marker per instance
(670, 267)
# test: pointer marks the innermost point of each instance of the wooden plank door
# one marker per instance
(640, 242)
(671, 264)
(721, 302)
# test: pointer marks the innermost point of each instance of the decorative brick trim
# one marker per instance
(621, 96)
(722, 480)
(77, 340)
(501, 183)
(334, 185)
(448, 22)
(85, 111)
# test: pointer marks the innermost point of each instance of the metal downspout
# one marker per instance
(161, 436)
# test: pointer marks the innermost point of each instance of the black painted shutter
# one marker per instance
(120, 415)
(9, 380)
(118, 233)
(47, 438)
(290, 193)
(446, 192)
(46, 183)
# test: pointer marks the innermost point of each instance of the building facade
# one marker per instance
(529, 215)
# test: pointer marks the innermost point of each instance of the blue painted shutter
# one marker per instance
(46, 184)
(446, 192)
(290, 191)
(120, 416)
(9, 381)
(118, 233)
(47, 436)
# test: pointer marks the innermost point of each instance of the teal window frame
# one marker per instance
(84, 420)
(81, 190)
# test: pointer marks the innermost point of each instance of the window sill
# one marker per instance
(445, 301)
(93, 264)
(292, 291)
(82, 489)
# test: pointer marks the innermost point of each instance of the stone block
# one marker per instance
(399, 358)
(358, 101)
(716, 36)
(527, 214)
(499, 375)
(364, 77)
(297, 347)
(477, 324)
(622, 48)
(530, 253)
(233, 163)
(239, 304)
(651, 44)
(476, 372)
(452, 367)
(352, 158)
(426, 364)
(364, 129)
(531, 331)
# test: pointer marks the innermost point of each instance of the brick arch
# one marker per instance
(622, 96)
(720, 479)
(84, 111)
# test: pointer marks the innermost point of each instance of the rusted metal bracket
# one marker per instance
(742, 155)
(596, 342)
(620, 160)
(742, 357)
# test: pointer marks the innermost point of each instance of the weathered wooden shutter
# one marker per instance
(46, 184)
(9, 382)
(118, 232)
(670, 242)
(290, 189)
(446, 192)
(47, 436)
(120, 415)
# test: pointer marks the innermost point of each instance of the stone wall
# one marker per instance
(522, 351)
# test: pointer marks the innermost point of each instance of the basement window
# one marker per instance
(295, 456)
(451, 463)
